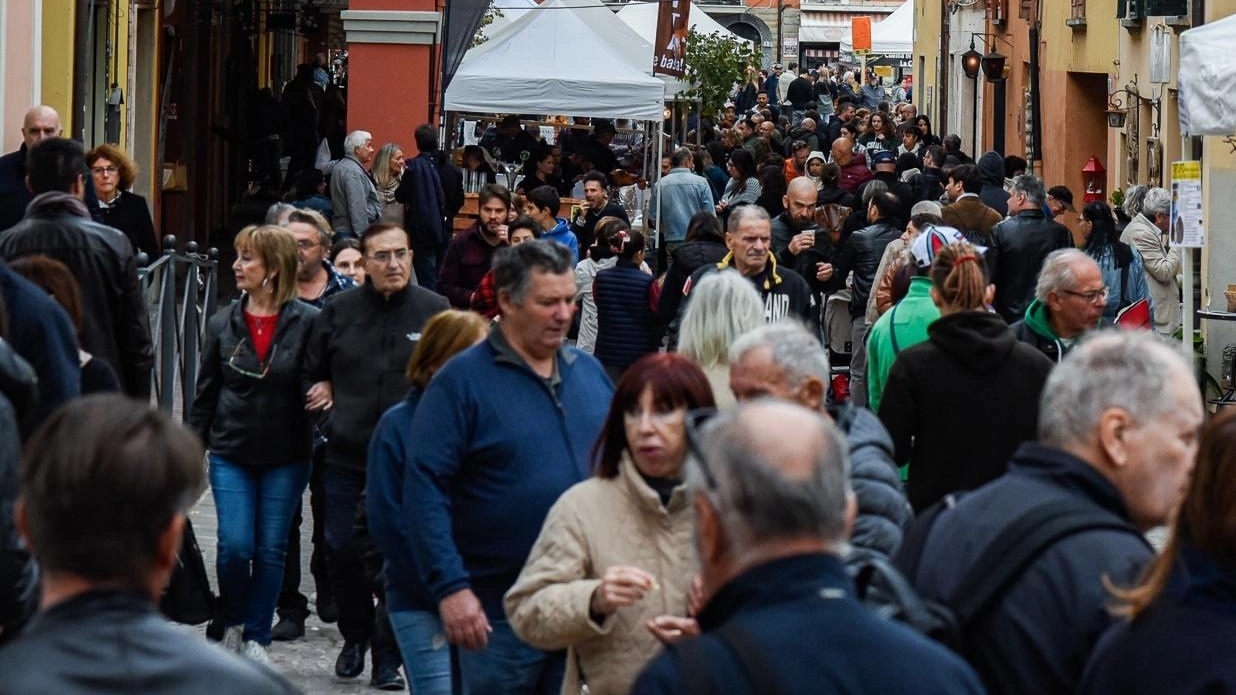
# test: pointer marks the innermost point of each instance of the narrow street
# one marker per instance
(310, 661)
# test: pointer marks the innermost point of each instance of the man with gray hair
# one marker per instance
(1147, 233)
(748, 236)
(1020, 244)
(784, 361)
(480, 482)
(1118, 431)
(773, 510)
(1068, 302)
(353, 195)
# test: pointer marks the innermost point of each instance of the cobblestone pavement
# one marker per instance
(310, 661)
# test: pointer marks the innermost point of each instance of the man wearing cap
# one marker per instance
(884, 166)
(872, 93)
(1059, 207)
(906, 323)
(508, 142)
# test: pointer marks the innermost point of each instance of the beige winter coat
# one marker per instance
(1162, 266)
(595, 525)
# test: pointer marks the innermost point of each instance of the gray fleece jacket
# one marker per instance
(353, 197)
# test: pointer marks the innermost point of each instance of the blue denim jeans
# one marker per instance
(426, 653)
(508, 666)
(255, 507)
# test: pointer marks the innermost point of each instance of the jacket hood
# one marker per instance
(991, 168)
(1037, 321)
(57, 202)
(862, 428)
(979, 340)
(816, 155)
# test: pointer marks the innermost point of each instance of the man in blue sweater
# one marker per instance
(503, 429)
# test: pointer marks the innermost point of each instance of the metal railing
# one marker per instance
(178, 327)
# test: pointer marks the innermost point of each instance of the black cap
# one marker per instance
(1064, 195)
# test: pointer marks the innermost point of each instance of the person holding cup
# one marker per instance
(794, 239)
(470, 254)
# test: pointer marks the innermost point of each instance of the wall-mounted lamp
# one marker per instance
(992, 64)
(1122, 100)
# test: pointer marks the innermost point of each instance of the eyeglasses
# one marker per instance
(231, 362)
(104, 170)
(305, 244)
(694, 421)
(385, 257)
(1091, 297)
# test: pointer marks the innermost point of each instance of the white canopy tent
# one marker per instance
(894, 35)
(1208, 85)
(538, 65)
(509, 12)
(642, 17)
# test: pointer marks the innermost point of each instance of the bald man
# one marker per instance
(40, 123)
(854, 171)
(794, 240)
(774, 508)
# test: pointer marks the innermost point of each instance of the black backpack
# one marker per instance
(888, 587)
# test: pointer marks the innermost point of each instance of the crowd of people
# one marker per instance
(857, 350)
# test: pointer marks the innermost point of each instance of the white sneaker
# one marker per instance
(253, 650)
(232, 638)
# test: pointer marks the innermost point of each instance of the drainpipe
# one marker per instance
(1036, 112)
(945, 67)
(83, 52)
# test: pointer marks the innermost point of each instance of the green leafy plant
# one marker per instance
(714, 63)
(1118, 198)
(486, 20)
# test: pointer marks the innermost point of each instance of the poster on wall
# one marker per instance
(1187, 229)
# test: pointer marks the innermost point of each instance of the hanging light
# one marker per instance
(993, 66)
(970, 61)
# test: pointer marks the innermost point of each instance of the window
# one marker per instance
(997, 11)
(1079, 9)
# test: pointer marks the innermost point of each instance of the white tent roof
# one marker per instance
(642, 17)
(1208, 85)
(511, 10)
(892, 35)
(535, 66)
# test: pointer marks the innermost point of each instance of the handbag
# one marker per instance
(1133, 315)
(188, 598)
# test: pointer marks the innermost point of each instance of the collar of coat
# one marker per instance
(771, 277)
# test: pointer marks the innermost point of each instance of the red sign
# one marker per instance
(669, 56)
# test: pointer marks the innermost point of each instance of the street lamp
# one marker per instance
(970, 61)
(993, 66)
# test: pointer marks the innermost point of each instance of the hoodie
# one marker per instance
(814, 155)
(991, 171)
(1035, 330)
(959, 405)
(563, 235)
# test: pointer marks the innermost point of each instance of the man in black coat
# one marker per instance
(58, 225)
(357, 355)
(1020, 244)
(1118, 429)
(861, 252)
(780, 613)
(40, 123)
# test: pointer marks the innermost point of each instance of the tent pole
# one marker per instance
(657, 169)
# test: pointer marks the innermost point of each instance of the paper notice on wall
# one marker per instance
(1187, 228)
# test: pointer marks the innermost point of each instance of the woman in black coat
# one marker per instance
(959, 405)
(1180, 632)
(250, 412)
(113, 173)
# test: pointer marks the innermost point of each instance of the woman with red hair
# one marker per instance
(612, 568)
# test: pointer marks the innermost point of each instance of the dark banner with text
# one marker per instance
(670, 54)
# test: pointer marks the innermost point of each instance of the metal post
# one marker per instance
(189, 320)
(167, 334)
(974, 150)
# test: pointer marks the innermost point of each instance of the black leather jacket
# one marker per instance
(105, 642)
(114, 322)
(861, 252)
(1018, 248)
(18, 394)
(249, 419)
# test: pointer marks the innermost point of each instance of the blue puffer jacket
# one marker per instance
(626, 325)
(883, 510)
